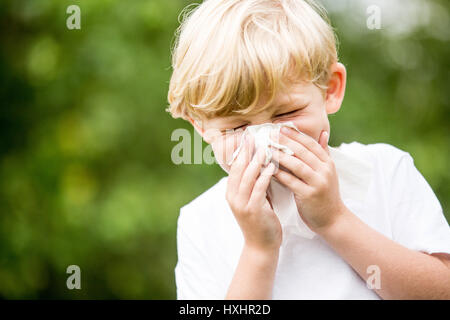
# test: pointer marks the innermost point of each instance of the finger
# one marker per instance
(300, 151)
(307, 141)
(232, 141)
(323, 141)
(251, 174)
(300, 169)
(259, 192)
(239, 165)
(292, 182)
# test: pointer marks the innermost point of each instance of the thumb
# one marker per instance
(323, 141)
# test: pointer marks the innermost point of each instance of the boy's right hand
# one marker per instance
(246, 195)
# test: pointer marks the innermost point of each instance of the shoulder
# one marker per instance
(206, 207)
(394, 172)
(374, 151)
(383, 155)
(202, 230)
(209, 199)
(389, 163)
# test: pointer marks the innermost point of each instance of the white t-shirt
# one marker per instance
(399, 203)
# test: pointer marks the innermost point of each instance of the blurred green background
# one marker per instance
(86, 176)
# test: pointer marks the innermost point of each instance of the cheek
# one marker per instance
(305, 124)
(311, 125)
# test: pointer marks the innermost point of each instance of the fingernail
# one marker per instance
(327, 136)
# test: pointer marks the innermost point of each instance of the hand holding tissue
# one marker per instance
(352, 176)
(283, 201)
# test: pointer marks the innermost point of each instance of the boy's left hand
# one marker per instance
(313, 178)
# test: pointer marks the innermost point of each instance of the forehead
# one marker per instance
(295, 94)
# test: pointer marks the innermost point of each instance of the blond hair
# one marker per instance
(230, 55)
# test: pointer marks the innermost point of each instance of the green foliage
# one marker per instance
(86, 176)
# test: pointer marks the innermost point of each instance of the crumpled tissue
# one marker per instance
(282, 198)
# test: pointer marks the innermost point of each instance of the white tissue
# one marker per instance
(282, 198)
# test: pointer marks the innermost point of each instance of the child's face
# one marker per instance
(304, 105)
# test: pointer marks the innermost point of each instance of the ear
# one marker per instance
(336, 87)
(199, 127)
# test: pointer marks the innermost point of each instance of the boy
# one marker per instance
(239, 63)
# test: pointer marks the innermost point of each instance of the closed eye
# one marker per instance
(286, 113)
(223, 131)
(242, 126)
